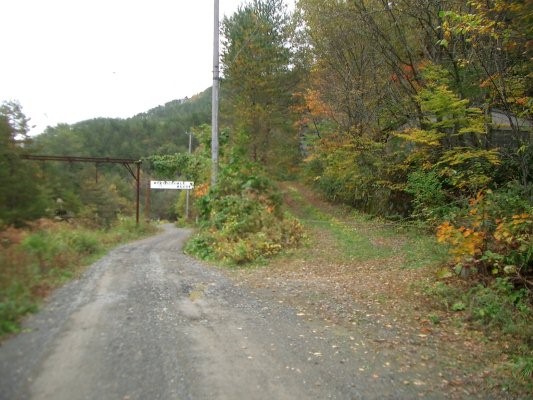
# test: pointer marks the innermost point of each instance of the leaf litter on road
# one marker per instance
(370, 294)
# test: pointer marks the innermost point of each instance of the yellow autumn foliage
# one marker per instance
(463, 241)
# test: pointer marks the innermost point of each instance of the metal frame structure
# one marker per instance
(126, 162)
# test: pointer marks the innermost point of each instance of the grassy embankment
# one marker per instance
(36, 260)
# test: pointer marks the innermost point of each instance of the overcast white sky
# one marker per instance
(71, 60)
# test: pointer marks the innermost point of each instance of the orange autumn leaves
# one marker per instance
(482, 234)
(463, 241)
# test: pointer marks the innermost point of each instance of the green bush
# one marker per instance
(500, 305)
(85, 242)
(14, 302)
(45, 246)
(202, 245)
(429, 199)
(242, 220)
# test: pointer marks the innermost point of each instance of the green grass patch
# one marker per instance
(502, 312)
(359, 243)
(357, 237)
(422, 250)
(360, 237)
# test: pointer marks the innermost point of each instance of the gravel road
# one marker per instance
(148, 322)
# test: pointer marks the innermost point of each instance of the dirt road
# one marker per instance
(148, 322)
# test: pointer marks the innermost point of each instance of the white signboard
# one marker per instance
(181, 185)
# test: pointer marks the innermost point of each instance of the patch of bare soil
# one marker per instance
(382, 305)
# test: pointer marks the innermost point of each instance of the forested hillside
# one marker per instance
(161, 130)
(108, 190)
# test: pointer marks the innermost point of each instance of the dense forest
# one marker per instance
(412, 110)
(416, 110)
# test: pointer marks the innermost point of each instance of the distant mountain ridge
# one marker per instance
(160, 130)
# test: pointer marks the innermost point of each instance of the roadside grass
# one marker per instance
(34, 261)
(422, 250)
(501, 313)
(358, 237)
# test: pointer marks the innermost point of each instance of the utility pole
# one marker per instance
(214, 108)
(188, 190)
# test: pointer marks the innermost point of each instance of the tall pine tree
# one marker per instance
(21, 196)
(258, 81)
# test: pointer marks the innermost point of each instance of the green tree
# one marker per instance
(258, 81)
(102, 201)
(21, 197)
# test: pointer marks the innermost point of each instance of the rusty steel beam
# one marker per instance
(100, 160)
(81, 159)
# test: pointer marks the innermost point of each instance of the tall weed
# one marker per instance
(500, 305)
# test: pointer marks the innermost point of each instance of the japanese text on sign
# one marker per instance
(183, 185)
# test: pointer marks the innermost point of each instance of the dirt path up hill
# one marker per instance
(369, 279)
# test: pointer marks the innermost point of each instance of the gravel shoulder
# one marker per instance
(148, 322)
